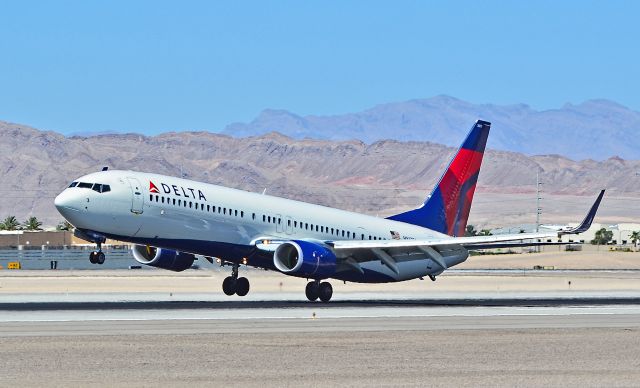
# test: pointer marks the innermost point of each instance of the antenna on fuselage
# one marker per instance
(105, 168)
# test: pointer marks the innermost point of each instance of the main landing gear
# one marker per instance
(235, 285)
(319, 290)
(97, 256)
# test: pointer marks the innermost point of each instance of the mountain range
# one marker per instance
(595, 129)
(378, 178)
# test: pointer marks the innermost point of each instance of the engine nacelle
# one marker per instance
(162, 258)
(305, 259)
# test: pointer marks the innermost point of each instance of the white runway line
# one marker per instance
(308, 313)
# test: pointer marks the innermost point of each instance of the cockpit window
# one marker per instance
(97, 187)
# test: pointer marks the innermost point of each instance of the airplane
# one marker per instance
(170, 220)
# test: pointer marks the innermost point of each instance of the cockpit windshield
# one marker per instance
(97, 187)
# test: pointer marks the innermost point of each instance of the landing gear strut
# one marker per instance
(97, 256)
(316, 289)
(235, 285)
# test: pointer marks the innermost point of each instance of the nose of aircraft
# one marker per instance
(66, 202)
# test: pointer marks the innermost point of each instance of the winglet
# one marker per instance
(586, 223)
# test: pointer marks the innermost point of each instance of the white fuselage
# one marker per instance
(216, 221)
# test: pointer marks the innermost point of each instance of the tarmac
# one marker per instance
(342, 345)
(469, 328)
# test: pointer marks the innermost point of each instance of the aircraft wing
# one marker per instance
(472, 242)
(463, 241)
(388, 251)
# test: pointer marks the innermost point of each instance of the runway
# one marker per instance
(389, 342)
(558, 329)
(29, 319)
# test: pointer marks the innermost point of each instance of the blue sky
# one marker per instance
(154, 66)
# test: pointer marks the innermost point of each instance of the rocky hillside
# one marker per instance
(595, 129)
(377, 178)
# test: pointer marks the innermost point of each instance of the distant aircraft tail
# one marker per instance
(446, 210)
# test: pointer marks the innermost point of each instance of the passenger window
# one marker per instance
(150, 197)
(295, 224)
(253, 216)
(269, 219)
(362, 237)
(174, 202)
(162, 199)
(224, 211)
(241, 213)
(190, 204)
(157, 198)
(208, 208)
(306, 226)
(288, 222)
(279, 219)
(235, 213)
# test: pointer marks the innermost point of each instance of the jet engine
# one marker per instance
(162, 258)
(305, 259)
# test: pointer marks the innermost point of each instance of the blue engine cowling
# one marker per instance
(162, 258)
(305, 259)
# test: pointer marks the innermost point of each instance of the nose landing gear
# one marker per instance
(97, 256)
(234, 284)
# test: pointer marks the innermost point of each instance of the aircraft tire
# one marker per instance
(311, 291)
(99, 258)
(326, 292)
(242, 286)
(229, 286)
(92, 258)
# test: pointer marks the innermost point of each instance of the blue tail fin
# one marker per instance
(446, 210)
